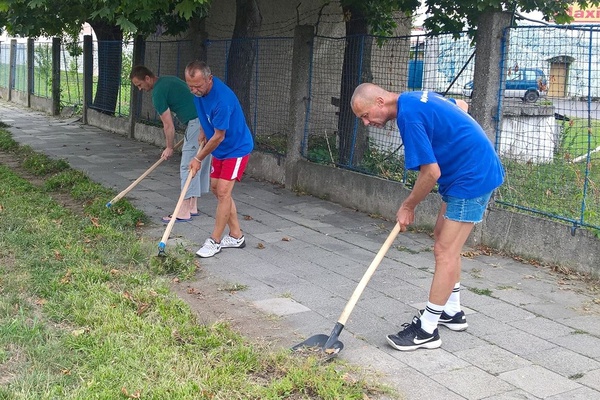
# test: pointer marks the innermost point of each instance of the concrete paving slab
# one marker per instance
(581, 343)
(539, 381)
(481, 384)
(583, 393)
(542, 327)
(519, 342)
(591, 379)
(496, 360)
(280, 306)
(564, 362)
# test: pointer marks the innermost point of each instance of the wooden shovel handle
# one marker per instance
(138, 180)
(165, 236)
(368, 274)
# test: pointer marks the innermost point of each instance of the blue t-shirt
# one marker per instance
(436, 130)
(221, 109)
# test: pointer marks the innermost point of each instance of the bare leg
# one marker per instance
(450, 236)
(184, 210)
(226, 210)
(193, 205)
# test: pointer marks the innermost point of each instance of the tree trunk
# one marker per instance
(356, 69)
(197, 35)
(110, 41)
(484, 99)
(240, 62)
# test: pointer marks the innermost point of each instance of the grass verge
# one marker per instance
(86, 313)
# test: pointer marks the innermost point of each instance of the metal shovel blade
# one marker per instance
(317, 343)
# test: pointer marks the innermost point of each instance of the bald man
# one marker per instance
(449, 149)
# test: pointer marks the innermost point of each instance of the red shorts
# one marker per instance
(228, 168)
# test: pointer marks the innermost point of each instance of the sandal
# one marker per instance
(168, 218)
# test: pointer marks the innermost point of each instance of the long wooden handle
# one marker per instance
(165, 236)
(367, 276)
(138, 180)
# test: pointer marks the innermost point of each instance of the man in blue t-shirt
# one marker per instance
(170, 95)
(449, 149)
(229, 141)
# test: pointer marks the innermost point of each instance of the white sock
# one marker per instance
(430, 317)
(452, 306)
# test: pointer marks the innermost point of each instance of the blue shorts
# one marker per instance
(466, 210)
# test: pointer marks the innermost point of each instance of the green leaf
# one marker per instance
(126, 25)
(186, 9)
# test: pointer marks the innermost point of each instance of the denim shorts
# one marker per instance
(466, 210)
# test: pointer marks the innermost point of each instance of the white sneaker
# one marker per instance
(229, 241)
(209, 249)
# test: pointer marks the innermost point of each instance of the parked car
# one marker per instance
(527, 84)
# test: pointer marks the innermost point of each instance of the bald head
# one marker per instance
(374, 105)
(365, 94)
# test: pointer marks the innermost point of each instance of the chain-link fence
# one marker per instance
(4, 65)
(548, 137)
(442, 64)
(540, 151)
(268, 93)
(71, 75)
(111, 86)
(550, 133)
(42, 69)
(20, 68)
(114, 92)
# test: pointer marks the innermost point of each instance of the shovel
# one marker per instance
(330, 345)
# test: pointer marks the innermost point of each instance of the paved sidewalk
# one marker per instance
(531, 335)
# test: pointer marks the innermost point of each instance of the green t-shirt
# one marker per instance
(170, 92)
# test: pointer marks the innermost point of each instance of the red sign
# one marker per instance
(591, 15)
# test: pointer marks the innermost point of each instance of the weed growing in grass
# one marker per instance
(40, 164)
(275, 143)
(234, 287)
(482, 292)
(175, 261)
(7, 143)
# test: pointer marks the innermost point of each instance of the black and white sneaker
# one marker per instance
(455, 323)
(413, 337)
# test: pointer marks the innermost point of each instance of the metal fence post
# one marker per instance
(13, 66)
(56, 46)
(299, 101)
(30, 70)
(88, 65)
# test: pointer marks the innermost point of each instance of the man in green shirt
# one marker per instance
(170, 95)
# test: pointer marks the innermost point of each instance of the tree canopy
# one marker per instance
(33, 18)
(380, 14)
(445, 16)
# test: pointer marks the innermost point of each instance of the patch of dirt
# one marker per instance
(211, 303)
(9, 368)
(12, 161)
(203, 294)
